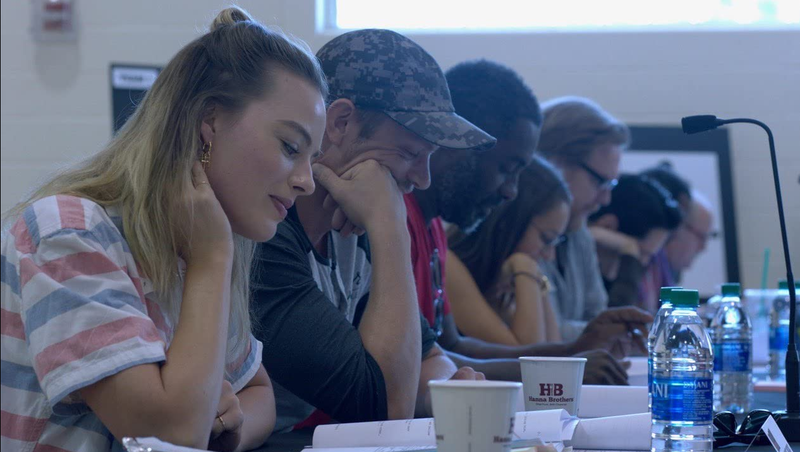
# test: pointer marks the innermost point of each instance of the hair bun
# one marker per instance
(230, 16)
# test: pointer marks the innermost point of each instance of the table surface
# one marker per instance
(297, 440)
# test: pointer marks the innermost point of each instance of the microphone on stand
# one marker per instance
(789, 420)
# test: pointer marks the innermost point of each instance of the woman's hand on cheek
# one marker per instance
(208, 231)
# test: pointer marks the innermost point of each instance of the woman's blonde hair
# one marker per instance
(144, 168)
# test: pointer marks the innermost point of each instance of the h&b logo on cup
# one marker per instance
(551, 383)
(546, 389)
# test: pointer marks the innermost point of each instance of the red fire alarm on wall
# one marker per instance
(53, 20)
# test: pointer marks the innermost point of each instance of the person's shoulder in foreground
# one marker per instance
(69, 271)
(52, 356)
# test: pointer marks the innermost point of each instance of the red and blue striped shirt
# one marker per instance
(75, 310)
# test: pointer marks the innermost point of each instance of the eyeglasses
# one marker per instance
(548, 241)
(727, 433)
(703, 237)
(602, 182)
(438, 293)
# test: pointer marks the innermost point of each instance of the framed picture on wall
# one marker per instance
(704, 161)
(129, 83)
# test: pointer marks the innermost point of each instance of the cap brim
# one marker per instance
(445, 129)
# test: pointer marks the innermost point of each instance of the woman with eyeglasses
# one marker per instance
(496, 289)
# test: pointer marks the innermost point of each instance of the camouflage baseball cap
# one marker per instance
(384, 70)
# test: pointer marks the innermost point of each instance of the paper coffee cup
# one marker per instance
(475, 416)
(551, 383)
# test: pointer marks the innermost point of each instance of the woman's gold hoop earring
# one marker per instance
(205, 156)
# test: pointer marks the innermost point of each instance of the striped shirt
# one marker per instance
(76, 310)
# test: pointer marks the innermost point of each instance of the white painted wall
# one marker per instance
(56, 104)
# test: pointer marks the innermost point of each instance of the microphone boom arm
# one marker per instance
(789, 420)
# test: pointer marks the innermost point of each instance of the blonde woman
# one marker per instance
(125, 278)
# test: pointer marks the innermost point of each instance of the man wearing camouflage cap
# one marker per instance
(337, 313)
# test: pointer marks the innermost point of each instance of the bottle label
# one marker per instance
(683, 399)
(650, 382)
(732, 357)
(779, 338)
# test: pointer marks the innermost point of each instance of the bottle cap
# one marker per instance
(685, 298)
(665, 295)
(731, 290)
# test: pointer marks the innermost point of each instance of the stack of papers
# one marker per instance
(532, 428)
(611, 418)
(604, 401)
(628, 432)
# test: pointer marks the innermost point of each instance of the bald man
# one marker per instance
(690, 239)
(685, 244)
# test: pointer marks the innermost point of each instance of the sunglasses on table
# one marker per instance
(748, 432)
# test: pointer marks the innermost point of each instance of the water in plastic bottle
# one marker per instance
(683, 372)
(779, 332)
(709, 309)
(666, 307)
(732, 339)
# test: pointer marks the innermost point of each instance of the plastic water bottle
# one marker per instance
(683, 386)
(779, 332)
(732, 338)
(665, 297)
(708, 310)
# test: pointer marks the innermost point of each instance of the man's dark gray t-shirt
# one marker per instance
(306, 309)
